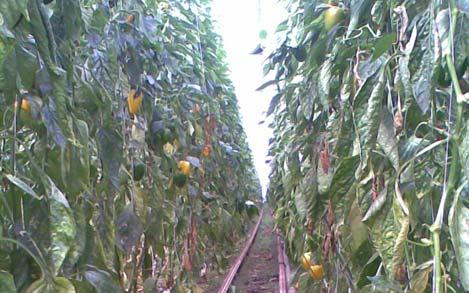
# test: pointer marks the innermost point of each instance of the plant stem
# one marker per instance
(436, 261)
(453, 172)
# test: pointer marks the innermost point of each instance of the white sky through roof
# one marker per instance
(239, 23)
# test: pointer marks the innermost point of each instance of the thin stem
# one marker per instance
(453, 172)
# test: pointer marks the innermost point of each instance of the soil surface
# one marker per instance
(259, 271)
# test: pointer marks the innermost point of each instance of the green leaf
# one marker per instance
(463, 5)
(388, 230)
(458, 220)
(273, 104)
(50, 118)
(56, 109)
(7, 283)
(344, 177)
(422, 86)
(404, 72)
(387, 140)
(263, 34)
(357, 7)
(372, 118)
(381, 284)
(62, 227)
(382, 45)
(324, 83)
(307, 195)
(30, 246)
(40, 32)
(110, 147)
(78, 248)
(79, 174)
(267, 84)
(464, 150)
(102, 281)
(71, 16)
(7, 40)
(443, 24)
(307, 105)
(82, 286)
(344, 140)
(367, 71)
(59, 285)
(283, 26)
(343, 186)
(99, 18)
(27, 67)
(376, 205)
(378, 11)
(9, 74)
(62, 285)
(13, 10)
(21, 184)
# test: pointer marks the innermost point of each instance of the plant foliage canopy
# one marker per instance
(124, 164)
(369, 155)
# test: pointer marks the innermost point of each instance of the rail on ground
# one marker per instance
(283, 265)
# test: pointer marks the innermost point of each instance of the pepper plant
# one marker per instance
(370, 147)
(124, 164)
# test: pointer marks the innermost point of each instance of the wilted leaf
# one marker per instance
(402, 223)
(194, 161)
(420, 279)
(128, 229)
